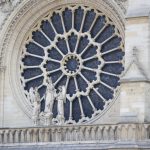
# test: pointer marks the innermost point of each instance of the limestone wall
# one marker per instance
(135, 81)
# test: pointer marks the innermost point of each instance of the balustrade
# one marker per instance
(120, 132)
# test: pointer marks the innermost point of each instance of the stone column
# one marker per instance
(1, 136)
(81, 133)
(93, 132)
(87, 133)
(17, 136)
(24, 136)
(41, 134)
(2, 82)
(30, 135)
(6, 136)
(12, 136)
(76, 134)
(53, 131)
(47, 135)
(58, 134)
(35, 135)
(106, 133)
(99, 133)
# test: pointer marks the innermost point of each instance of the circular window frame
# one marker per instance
(15, 44)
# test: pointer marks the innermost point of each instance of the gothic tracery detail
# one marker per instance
(78, 47)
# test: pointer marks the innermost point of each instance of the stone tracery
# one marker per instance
(84, 54)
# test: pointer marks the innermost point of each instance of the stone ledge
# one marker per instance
(89, 145)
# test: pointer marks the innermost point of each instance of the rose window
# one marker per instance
(78, 47)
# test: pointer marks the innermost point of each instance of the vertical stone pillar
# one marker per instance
(2, 82)
(6, 136)
(99, 133)
(70, 133)
(118, 133)
(12, 136)
(35, 135)
(47, 135)
(76, 134)
(93, 132)
(41, 134)
(30, 135)
(24, 136)
(53, 134)
(63, 130)
(66, 134)
(1, 136)
(106, 133)
(59, 137)
(81, 133)
(87, 133)
(17, 136)
(112, 132)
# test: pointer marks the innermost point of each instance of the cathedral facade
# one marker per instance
(74, 74)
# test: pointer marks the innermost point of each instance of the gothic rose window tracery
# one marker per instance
(78, 47)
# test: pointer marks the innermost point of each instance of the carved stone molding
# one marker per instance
(6, 6)
(122, 4)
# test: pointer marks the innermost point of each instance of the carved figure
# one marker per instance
(35, 101)
(61, 98)
(31, 95)
(49, 97)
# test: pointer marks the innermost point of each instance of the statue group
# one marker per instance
(51, 96)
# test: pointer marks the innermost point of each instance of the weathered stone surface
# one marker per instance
(131, 108)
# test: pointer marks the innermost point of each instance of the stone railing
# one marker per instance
(119, 132)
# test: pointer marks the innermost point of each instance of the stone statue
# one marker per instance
(61, 99)
(36, 103)
(31, 95)
(49, 102)
(50, 96)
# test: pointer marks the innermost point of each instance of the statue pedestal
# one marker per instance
(60, 119)
(48, 119)
(36, 120)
